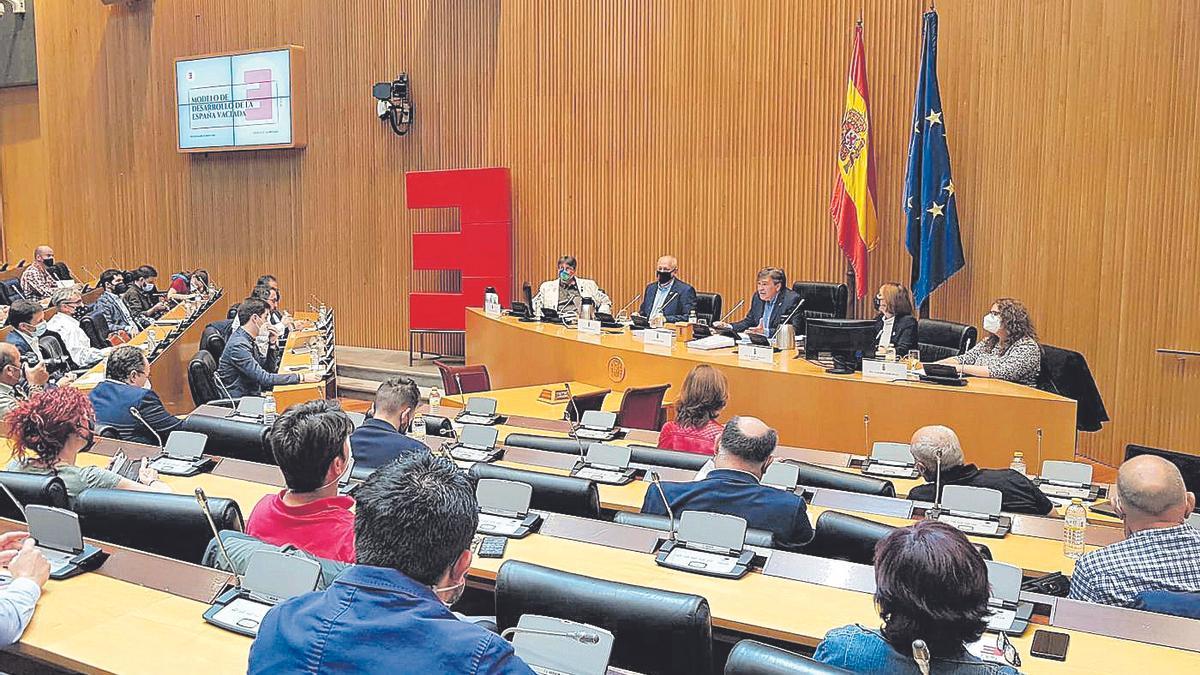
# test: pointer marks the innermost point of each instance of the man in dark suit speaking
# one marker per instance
(772, 302)
(668, 295)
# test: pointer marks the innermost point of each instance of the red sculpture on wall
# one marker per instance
(481, 250)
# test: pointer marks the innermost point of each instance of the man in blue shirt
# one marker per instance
(112, 305)
(668, 295)
(771, 303)
(732, 486)
(381, 439)
(390, 613)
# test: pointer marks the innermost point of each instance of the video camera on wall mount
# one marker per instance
(393, 103)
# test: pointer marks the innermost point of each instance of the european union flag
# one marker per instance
(930, 206)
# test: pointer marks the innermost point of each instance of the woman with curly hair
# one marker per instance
(1011, 351)
(48, 432)
(695, 428)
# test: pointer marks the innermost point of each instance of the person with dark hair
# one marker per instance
(931, 584)
(269, 281)
(244, 371)
(126, 387)
(732, 486)
(310, 444)
(895, 323)
(48, 432)
(28, 321)
(695, 427)
(1010, 352)
(278, 324)
(38, 280)
(936, 444)
(565, 293)
(415, 522)
(18, 381)
(141, 298)
(111, 305)
(187, 285)
(771, 303)
(381, 438)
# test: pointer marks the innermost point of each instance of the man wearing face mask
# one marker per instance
(565, 293)
(17, 380)
(111, 304)
(38, 280)
(668, 295)
(414, 522)
(127, 386)
(65, 323)
(141, 298)
(310, 442)
(241, 371)
(28, 321)
(381, 439)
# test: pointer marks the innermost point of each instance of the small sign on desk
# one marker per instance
(491, 308)
(756, 353)
(884, 370)
(659, 338)
(588, 327)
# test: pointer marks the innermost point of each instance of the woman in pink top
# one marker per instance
(695, 428)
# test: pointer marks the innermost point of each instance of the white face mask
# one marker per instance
(460, 587)
(146, 385)
(991, 322)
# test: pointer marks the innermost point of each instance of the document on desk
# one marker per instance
(90, 378)
(970, 525)
(701, 560)
(1001, 619)
(711, 342)
(494, 524)
(243, 613)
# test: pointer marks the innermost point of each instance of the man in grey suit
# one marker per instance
(243, 371)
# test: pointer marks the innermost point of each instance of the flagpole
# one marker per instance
(852, 297)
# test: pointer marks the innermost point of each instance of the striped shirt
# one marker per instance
(1020, 362)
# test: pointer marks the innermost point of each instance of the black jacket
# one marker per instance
(904, 333)
(1065, 372)
(785, 302)
(1019, 494)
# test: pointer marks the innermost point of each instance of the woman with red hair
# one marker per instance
(49, 431)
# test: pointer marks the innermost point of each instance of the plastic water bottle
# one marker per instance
(692, 317)
(657, 321)
(1018, 463)
(269, 408)
(1075, 529)
(435, 397)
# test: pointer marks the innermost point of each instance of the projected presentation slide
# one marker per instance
(235, 101)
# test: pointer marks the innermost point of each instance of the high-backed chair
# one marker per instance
(939, 339)
(654, 631)
(557, 494)
(708, 306)
(755, 658)
(821, 300)
(815, 476)
(11, 288)
(641, 408)
(754, 536)
(841, 536)
(473, 378)
(31, 488)
(1065, 372)
(212, 340)
(567, 446)
(202, 378)
(61, 271)
(645, 454)
(229, 437)
(585, 402)
(95, 327)
(54, 349)
(164, 524)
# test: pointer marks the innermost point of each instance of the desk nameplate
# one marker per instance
(1049, 527)
(1128, 624)
(265, 474)
(602, 532)
(821, 571)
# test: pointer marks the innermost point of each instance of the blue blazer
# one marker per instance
(16, 339)
(682, 301)
(242, 370)
(376, 620)
(785, 302)
(109, 305)
(377, 442)
(737, 493)
(112, 401)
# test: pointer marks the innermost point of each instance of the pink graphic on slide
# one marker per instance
(261, 94)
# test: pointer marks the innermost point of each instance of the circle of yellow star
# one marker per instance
(934, 118)
(936, 209)
(949, 188)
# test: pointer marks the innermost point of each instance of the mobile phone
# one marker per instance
(1050, 645)
(493, 547)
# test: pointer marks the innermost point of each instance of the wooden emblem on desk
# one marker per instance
(616, 369)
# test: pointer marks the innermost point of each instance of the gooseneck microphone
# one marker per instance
(576, 423)
(578, 636)
(20, 506)
(735, 308)
(134, 411)
(657, 482)
(224, 389)
(921, 655)
(202, 500)
(937, 483)
(788, 318)
(628, 304)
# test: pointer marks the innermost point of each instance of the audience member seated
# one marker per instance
(126, 387)
(110, 304)
(29, 571)
(28, 321)
(1010, 353)
(896, 325)
(695, 427)
(1160, 552)
(1019, 494)
(564, 293)
(65, 322)
(18, 381)
(415, 522)
(668, 294)
(37, 281)
(244, 371)
(732, 486)
(931, 584)
(381, 438)
(277, 326)
(311, 445)
(141, 297)
(50, 430)
(187, 285)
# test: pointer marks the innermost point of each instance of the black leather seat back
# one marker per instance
(554, 493)
(202, 378)
(841, 536)
(53, 348)
(1065, 372)
(815, 476)
(567, 446)
(754, 536)
(755, 658)
(645, 454)
(31, 488)
(821, 300)
(212, 340)
(939, 339)
(236, 438)
(12, 290)
(61, 271)
(654, 631)
(95, 327)
(708, 306)
(165, 524)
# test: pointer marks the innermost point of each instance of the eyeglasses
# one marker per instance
(1008, 649)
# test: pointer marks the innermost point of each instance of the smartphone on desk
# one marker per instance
(1050, 645)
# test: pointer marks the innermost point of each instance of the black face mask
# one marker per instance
(48, 262)
(875, 302)
(664, 277)
(91, 439)
(120, 289)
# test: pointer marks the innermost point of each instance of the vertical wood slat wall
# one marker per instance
(705, 129)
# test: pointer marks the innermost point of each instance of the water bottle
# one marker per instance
(1018, 463)
(692, 318)
(435, 397)
(890, 355)
(316, 351)
(269, 408)
(1075, 529)
(657, 321)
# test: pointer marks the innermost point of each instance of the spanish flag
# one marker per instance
(853, 203)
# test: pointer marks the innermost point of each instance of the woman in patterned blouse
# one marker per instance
(1010, 353)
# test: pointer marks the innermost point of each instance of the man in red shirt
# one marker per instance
(311, 446)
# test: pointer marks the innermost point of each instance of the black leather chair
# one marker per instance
(31, 488)
(236, 438)
(164, 524)
(821, 300)
(814, 476)
(55, 350)
(554, 493)
(11, 290)
(645, 454)
(939, 339)
(232, 311)
(1065, 372)
(95, 327)
(654, 631)
(841, 536)
(202, 378)
(567, 446)
(212, 340)
(107, 431)
(754, 536)
(755, 658)
(708, 306)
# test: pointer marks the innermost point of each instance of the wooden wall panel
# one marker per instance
(637, 127)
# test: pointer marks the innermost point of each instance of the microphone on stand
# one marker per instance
(628, 304)
(921, 655)
(202, 500)
(224, 389)
(576, 423)
(657, 482)
(578, 636)
(670, 296)
(134, 411)
(789, 317)
(735, 308)
(937, 483)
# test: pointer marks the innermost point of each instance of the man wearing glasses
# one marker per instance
(64, 322)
